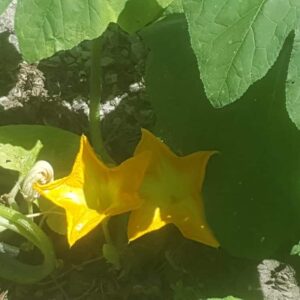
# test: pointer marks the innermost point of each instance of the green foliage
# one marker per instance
(3, 5)
(15, 270)
(174, 8)
(51, 26)
(17, 158)
(59, 149)
(296, 249)
(138, 13)
(252, 186)
(59, 146)
(293, 82)
(237, 43)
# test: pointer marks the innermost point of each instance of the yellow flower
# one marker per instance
(94, 191)
(172, 193)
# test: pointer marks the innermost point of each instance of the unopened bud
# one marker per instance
(42, 173)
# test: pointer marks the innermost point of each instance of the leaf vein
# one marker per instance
(238, 49)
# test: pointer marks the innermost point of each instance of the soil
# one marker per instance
(55, 93)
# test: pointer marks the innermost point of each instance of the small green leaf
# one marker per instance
(237, 42)
(17, 158)
(137, 13)
(3, 5)
(293, 82)
(48, 26)
(15, 270)
(296, 250)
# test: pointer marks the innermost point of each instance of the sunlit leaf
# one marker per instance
(236, 42)
(17, 158)
(3, 5)
(174, 8)
(137, 13)
(59, 146)
(293, 82)
(48, 26)
(296, 250)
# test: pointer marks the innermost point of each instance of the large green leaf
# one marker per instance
(17, 158)
(293, 82)
(46, 26)
(236, 42)
(252, 188)
(139, 13)
(3, 5)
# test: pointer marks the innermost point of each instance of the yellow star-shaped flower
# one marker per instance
(94, 191)
(171, 191)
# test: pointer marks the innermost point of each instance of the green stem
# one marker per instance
(109, 250)
(106, 232)
(11, 197)
(30, 207)
(15, 270)
(95, 101)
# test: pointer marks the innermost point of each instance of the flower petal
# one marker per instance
(171, 191)
(94, 191)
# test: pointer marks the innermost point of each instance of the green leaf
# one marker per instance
(174, 8)
(48, 26)
(15, 270)
(137, 13)
(296, 250)
(59, 146)
(17, 158)
(237, 42)
(3, 5)
(59, 149)
(293, 82)
(252, 188)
